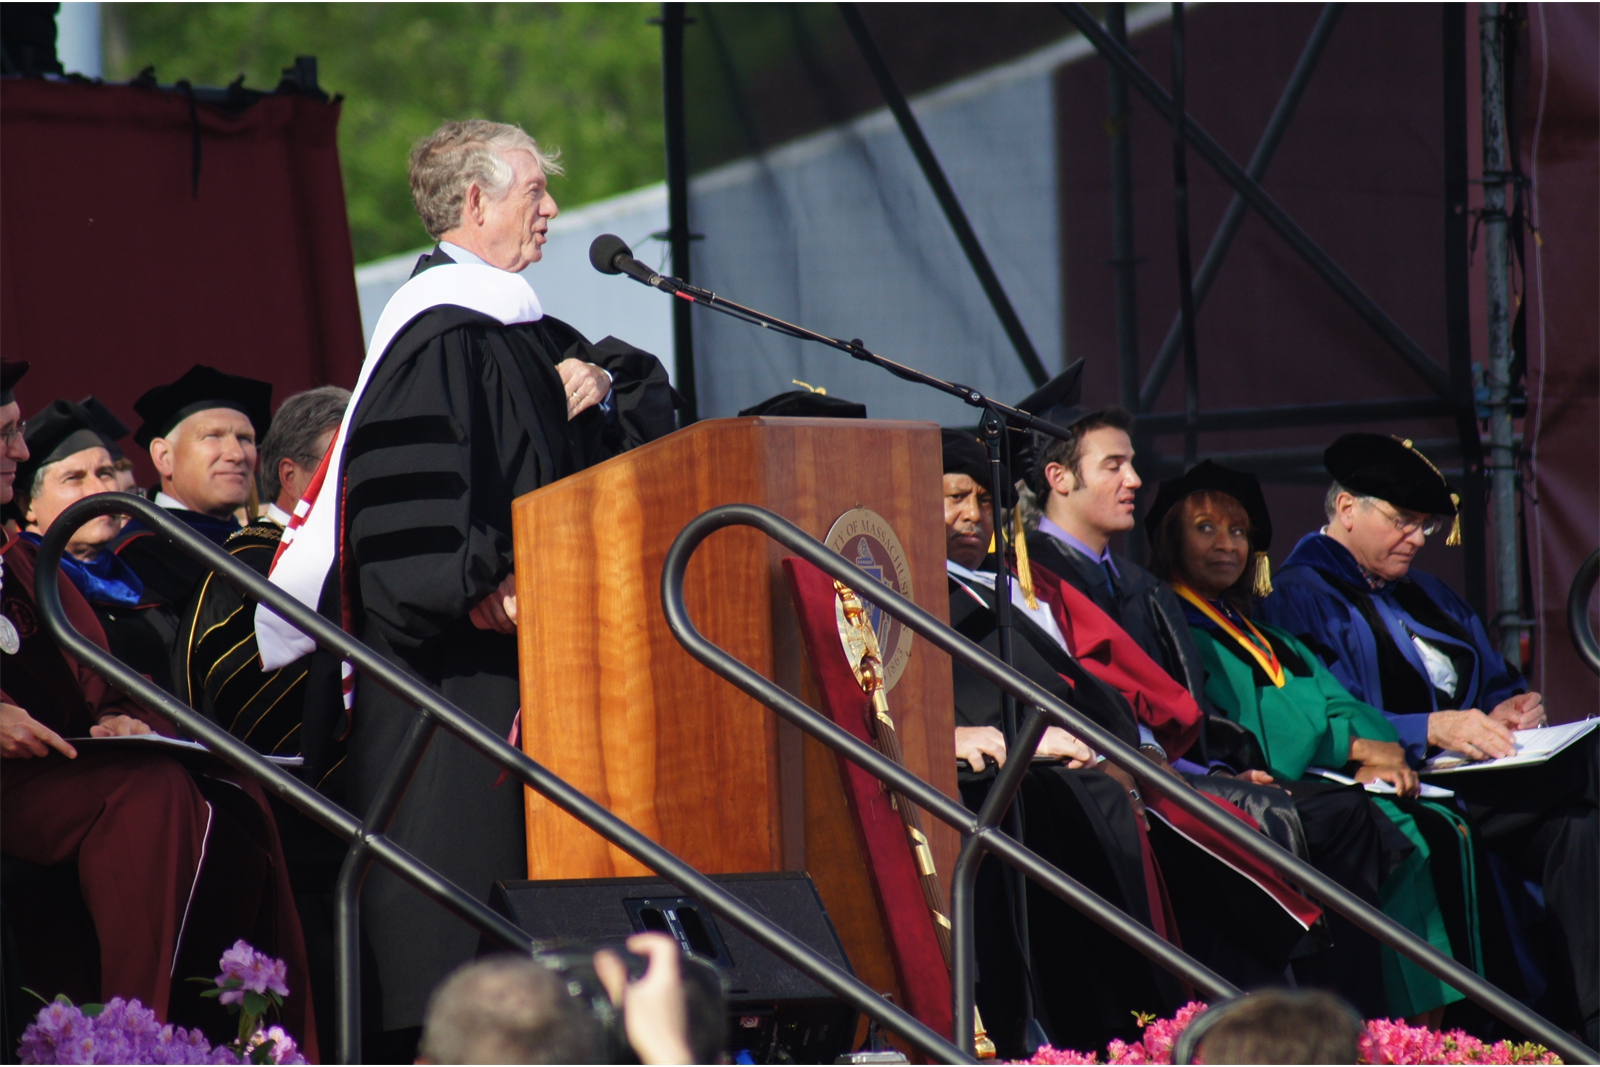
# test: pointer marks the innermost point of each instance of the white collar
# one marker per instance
(277, 515)
(171, 503)
(983, 578)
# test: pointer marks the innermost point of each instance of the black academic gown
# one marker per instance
(463, 416)
(1081, 821)
(146, 636)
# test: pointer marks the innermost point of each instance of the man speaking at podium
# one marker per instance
(470, 396)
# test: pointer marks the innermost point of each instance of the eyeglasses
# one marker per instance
(1428, 524)
(15, 432)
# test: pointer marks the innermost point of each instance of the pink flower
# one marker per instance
(283, 1050)
(256, 972)
(1047, 1054)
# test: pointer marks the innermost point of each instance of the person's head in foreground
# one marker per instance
(67, 461)
(1386, 500)
(1205, 528)
(201, 431)
(301, 433)
(510, 1009)
(484, 186)
(1273, 1026)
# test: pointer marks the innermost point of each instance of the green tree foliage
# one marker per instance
(584, 78)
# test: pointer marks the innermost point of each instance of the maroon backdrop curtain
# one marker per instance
(1562, 46)
(116, 276)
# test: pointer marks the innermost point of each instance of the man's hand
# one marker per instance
(585, 383)
(1058, 744)
(1129, 786)
(119, 726)
(655, 1011)
(498, 610)
(1471, 733)
(24, 737)
(975, 742)
(1524, 711)
(1256, 778)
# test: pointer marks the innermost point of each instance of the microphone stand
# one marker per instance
(996, 418)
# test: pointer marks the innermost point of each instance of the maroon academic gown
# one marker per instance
(173, 864)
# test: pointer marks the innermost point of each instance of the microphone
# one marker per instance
(610, 254)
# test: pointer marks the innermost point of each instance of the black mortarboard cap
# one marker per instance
(1391, 469)
(200, 389)
(1207, 476)
(63, 429)
(11, 372)
(1056, 401)
(965, 454)
(805, 404)
(111, 428)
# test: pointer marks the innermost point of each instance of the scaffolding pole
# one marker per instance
(1497, 274)
(1123, 259)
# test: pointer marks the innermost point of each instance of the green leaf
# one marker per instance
(61, 998)
(581, 77)
(91, 1010)
(255, 1004)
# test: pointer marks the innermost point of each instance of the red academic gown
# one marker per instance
(173, 864)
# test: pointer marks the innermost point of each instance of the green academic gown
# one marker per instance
(1310, 722)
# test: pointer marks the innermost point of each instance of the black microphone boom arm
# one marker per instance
(609, 254)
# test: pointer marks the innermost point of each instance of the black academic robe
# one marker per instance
(463, 416)
(146, 636)
(1329, 826)
(216, 667)
(1081, 821)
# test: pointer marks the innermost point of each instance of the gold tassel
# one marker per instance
(1455, 526)
(1262, 584)
(1019, 539)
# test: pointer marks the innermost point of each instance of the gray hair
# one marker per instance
(1330, 503)
(300, 421)
(447, 161)
(507, 1009)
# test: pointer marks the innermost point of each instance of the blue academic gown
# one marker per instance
(1308, 601)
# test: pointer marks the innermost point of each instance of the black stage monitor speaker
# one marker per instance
(775, 1013)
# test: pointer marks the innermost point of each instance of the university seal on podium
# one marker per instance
(866, 539)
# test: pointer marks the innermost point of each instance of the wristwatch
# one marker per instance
(1153, 751)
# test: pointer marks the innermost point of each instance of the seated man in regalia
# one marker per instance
(201, 431)
(1403, 641)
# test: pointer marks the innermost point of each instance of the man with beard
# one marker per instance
(470, 397)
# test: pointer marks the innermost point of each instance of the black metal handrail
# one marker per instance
(1578, 611)
(980, 830)
(369, 842)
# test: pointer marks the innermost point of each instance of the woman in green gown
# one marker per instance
(1203, 529)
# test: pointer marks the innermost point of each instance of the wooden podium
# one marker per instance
(613, 704)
